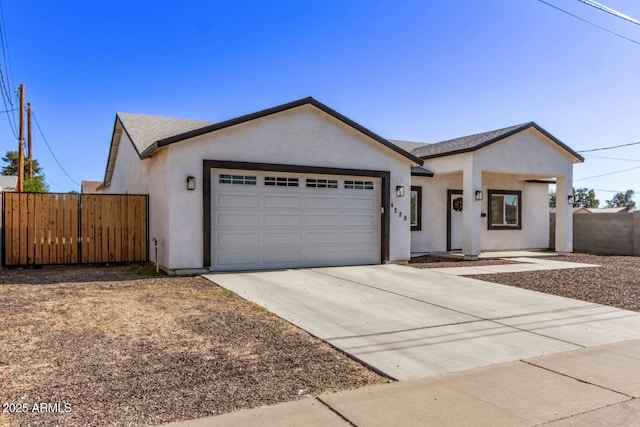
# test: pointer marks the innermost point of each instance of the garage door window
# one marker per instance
(280, 181)
(237, 179)
(322, 183)
(358, 185)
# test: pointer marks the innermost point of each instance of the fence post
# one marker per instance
(79, 242)
(636, 233)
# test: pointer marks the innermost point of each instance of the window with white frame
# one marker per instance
(505, 210)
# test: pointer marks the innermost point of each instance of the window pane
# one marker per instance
(414, 208)
(511, 209)
(497, 212)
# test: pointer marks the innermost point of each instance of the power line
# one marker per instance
(609, 148)
(6, 93)
(7, 109)
(612, 158)
(608, 191)
(607, 174)
(5, 48)
(591, 23)
(35, 119)
(613, 12)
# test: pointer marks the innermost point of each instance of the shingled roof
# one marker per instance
(144, 130)
(479, 140)
(150, 133)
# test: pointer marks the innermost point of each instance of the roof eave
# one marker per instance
(149, 151)
(278, 109)
(525, 126)
(568, 149)
(419, 171)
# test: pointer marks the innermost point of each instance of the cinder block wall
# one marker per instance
(614, 234)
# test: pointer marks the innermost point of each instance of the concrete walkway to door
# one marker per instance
(409, 323)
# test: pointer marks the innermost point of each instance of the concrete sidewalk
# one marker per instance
(592, 386)
(524, 264)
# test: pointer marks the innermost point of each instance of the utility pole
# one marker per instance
(29, 153)
(21, 143)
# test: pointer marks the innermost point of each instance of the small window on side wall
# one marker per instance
(505, 210)
(416, 208)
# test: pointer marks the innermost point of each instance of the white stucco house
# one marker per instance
(302, 185)
(8, 183)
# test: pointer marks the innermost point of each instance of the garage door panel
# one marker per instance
(314, 202)
(282, 238)
(361, 255)
(359, 237)
(280, 219)
(322, 220)
(328, 256)
(237, 200)
(359, 220)
(280, 202)
(236, 239)
(232, 219)
(359, 203)
(237, 257)
(282, 256)
(321, 237)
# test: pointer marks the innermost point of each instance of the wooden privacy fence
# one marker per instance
(48, 228)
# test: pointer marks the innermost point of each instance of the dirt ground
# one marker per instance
(431, 261)
(115, 346)
(616, 283)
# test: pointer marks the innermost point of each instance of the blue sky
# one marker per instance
(414, 70)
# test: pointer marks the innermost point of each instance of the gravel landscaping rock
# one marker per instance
(124, 349)
(616, 283)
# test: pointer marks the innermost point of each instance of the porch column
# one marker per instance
(471, 224)
(564, 214)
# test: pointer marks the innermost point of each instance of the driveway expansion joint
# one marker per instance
(479, 318)
(335, 411)
(538, 334)
(400, 295)
(421, 328)
(579, 380)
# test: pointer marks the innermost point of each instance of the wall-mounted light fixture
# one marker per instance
(191, 183)
(399, 190)
(478, 195)
(570, 199)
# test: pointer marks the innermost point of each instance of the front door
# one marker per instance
(454, 220)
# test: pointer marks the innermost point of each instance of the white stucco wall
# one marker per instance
(433, 236)
(134, 176)
(527, 152)
(534, 204)
(301, 136)
(535, 214)
(505, 165)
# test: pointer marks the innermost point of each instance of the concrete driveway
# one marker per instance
(411, 323)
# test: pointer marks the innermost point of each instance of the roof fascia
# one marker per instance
(274, 110)
(508, 134)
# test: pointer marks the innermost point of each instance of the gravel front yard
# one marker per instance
(125, 349)
(616, 283)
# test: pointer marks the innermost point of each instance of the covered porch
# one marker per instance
(495, 197)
